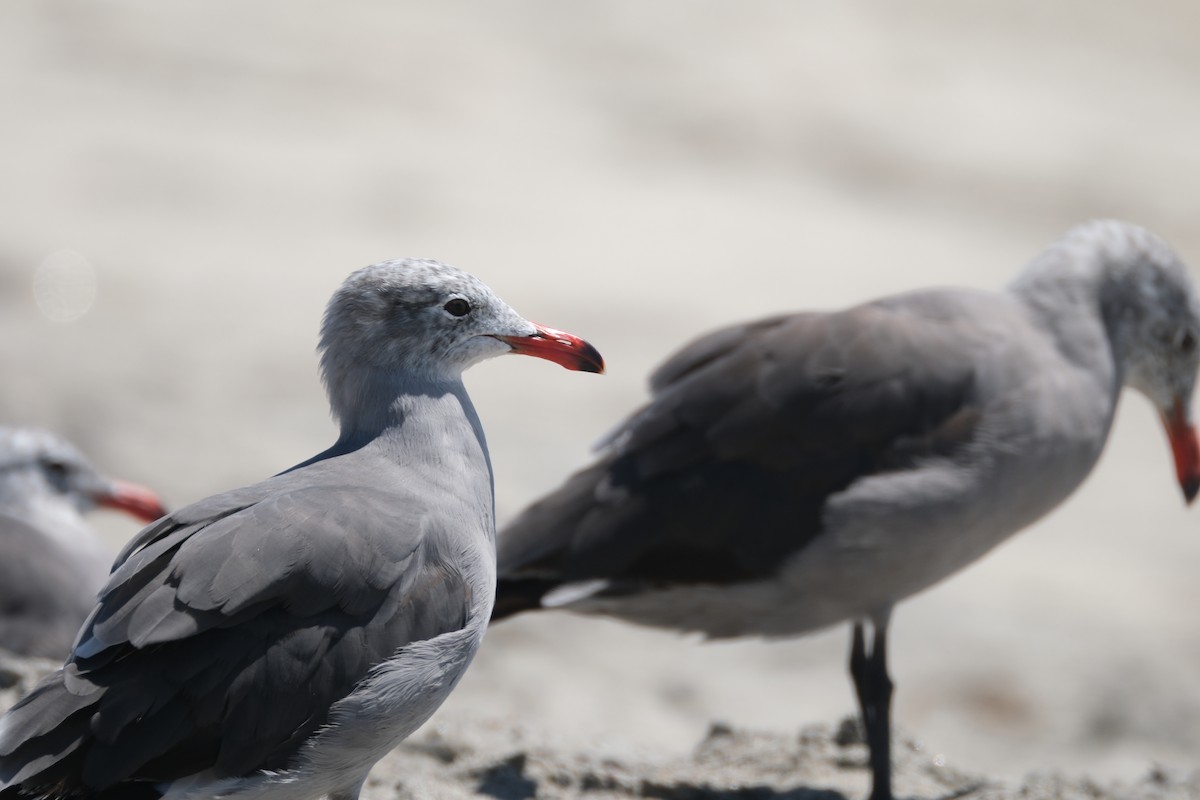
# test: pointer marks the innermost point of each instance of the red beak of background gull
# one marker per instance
(133, 499)
(558, 346)
(1185, 448)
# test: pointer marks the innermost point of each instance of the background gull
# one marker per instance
(806, 469)
(51, 562)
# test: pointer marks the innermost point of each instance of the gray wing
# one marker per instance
(45, 593)
(749, 432)
(228, 629)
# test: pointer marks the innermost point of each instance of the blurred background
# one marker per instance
(184, 184)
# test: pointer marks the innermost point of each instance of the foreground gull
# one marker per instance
(274, 642)
(811, 468)
(51, 562)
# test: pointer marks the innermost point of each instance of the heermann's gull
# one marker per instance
(276, 641)
(811, 468)
(51, 562)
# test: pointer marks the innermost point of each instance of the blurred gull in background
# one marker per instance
(811, 468)
(51, 562)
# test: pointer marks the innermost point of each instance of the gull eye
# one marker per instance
(457, 307)
(56, 472)
(1186, 342)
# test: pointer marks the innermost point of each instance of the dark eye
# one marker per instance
(458, 307)
(56, 471)
(1187, 342)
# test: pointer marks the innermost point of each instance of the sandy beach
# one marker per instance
(186, 183)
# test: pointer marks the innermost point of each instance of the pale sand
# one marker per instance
(820, 762)
(635, 173)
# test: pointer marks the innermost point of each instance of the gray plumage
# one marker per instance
(51, 562)
(276, 641)
(810, 468)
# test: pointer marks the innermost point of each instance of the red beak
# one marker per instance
(1185, 448)
(558, 346)
(138, 501)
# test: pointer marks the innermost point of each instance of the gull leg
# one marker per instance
(873, 685)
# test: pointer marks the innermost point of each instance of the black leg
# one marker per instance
(868, 668)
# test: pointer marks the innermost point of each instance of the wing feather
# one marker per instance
(750, 430)
(217, 613)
